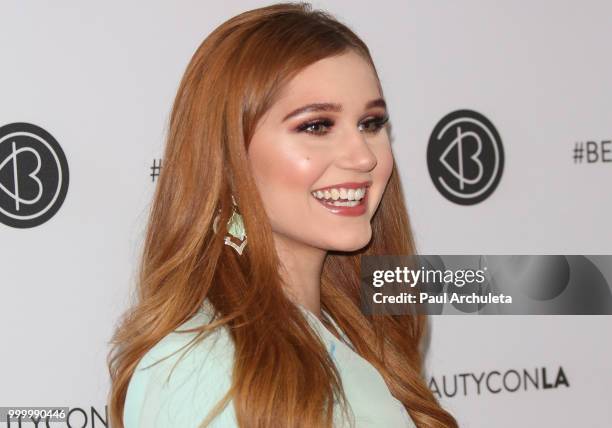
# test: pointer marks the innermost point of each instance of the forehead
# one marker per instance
(347, 79)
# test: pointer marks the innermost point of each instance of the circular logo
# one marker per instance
(465, 157)
(33, 175)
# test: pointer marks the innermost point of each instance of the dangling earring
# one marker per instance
(235, 227)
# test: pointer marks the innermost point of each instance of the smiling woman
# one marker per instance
(279, 132)
(289, 162)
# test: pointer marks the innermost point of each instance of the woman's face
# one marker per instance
(343, 148)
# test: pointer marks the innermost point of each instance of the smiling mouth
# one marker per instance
(347, 195)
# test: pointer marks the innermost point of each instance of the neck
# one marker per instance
(301, 267)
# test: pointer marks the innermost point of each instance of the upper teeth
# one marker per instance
(340, 193)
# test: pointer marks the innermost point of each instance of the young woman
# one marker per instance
(278, 175)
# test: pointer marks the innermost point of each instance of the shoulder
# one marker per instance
(177, 382)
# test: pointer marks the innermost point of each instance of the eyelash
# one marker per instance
(379, 121)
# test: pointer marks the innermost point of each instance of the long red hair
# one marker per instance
(232, 79)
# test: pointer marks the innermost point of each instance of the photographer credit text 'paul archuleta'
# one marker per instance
(427, 286)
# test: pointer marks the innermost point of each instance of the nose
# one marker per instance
(355, 152)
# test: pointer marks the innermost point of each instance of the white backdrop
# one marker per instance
(101, 77)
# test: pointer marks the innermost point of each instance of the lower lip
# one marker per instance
(357, 210)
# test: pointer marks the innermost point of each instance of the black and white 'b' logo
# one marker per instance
(465, 157)
(33, 175)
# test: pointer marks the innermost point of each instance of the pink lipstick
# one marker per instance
(348, 198)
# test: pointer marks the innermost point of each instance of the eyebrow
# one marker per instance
(379, 102)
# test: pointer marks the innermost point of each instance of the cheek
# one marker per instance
(381, 174)
(384, 165)
(283, 171)
(284, 174)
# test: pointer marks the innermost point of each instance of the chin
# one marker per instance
(350, 248)
(351, 243)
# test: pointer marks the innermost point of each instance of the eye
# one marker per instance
(314, 127)
(375, 124)
(320, 127)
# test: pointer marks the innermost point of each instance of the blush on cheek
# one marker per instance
(295, 174)
(285, 188)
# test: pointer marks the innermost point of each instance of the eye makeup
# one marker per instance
(374, 123)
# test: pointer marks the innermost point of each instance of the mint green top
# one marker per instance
(203, 375)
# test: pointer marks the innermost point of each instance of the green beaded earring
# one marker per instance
(235, 228)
